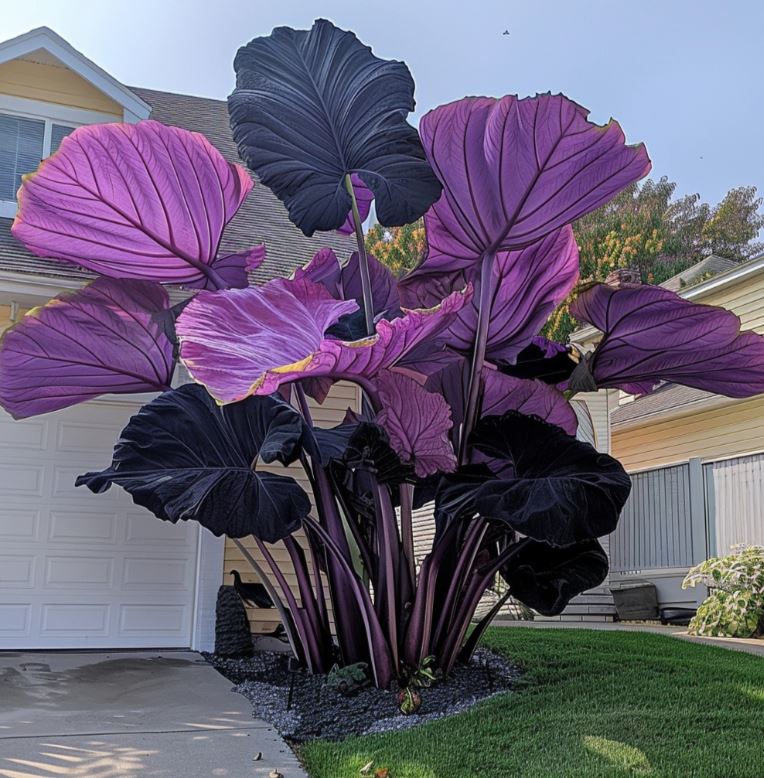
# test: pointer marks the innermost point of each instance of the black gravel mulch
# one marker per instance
(318, 711)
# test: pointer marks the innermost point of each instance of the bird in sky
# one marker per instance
(506, 32)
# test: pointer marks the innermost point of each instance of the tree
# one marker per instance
(456, 410)
(399, 248)
(643, 227)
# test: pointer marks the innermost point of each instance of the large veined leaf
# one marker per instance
(141, 201)
(651, 334)
(310, 107)
(184, 457)
(546, 578)
(515, 170)
(250, 341)
(106, 338)
(563, 491)
(501, 393)
(417, 423)
(527, 285)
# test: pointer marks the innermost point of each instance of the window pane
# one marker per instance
(57, 134)
(20, 151)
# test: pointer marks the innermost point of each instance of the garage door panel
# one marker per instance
(145, 529)
(15, 620)
(91, 619)
(148, 573)
(19, 524)
(78, 526)
(30, 435)
(149, 619)
(78, 569)
(21, 479)
(17, 572)
(78, 572)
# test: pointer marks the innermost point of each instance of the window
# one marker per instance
(24, 142)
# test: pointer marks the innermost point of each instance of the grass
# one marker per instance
(592, 704)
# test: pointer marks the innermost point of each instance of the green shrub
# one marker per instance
(735, 603)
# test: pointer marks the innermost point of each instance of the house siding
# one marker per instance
(727, 429)
(329, 414)
(51, 84)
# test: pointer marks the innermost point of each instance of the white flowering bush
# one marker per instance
(735, 604)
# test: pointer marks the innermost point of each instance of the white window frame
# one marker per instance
(50, 114)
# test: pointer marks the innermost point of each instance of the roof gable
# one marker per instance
(46, 47)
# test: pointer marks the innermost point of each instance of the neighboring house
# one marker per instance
(696, 458)
(79, 570)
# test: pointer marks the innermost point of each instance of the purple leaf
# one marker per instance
(515, 170)
(344, 281)
(502, 393)
(651, 334)
(364, 197)
(528, 284)
(250, 341)
(106, 338)
(417, 423)
(141, 201)
(233, 269)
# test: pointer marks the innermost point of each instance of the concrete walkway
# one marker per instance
(749, 646)
(129, 715)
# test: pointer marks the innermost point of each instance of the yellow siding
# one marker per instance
(745, 298)
(728, 430)
(331, 413)
(6, 315)
(51, 84)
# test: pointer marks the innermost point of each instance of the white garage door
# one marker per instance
(79, 570)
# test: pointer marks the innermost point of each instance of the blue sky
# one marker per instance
(685, 76)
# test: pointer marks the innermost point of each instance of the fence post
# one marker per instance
(698, 519)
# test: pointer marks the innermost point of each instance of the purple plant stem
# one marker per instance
(286, 618)
(478, 354)
(385, 584)
(309, 602)
(417, 641)
(466, 559)
(363, 262)
(480, 581)
(304, 626)
(468, 649)
(351, 639)
(407, 531)
(379, 650)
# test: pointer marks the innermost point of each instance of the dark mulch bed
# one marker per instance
(318, 711)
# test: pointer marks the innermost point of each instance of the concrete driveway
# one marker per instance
(109, 715)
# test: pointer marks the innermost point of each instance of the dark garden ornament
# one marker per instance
(465, 406)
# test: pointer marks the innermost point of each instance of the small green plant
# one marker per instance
(735, 604)
(414, 678)
(348, 680)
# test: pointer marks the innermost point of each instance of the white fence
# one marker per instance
(679, 515)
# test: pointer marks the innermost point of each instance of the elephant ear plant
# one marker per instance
(464, 406)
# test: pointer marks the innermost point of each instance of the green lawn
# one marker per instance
(593, 704)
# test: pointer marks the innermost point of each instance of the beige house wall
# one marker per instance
(51, 84)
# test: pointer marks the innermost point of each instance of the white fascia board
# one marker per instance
(752, 267)
(44, 38)
(32, 289)
(676, 411)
